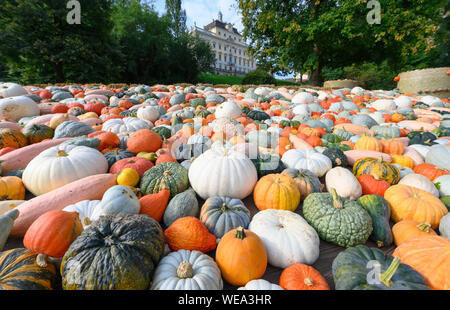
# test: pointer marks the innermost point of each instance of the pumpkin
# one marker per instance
(126, 125)
(430, 171)
(302, 277)
(52, 233)
(411, 203)
(344, 182)
(189, 233)
(336, 156)
(337, 220)
(141, 165)
(36, 133)
(444, 227)
(392, 147)
(117, 199)
(154, 205)
(421, 182)
(11, 90)
(183, 204)
(128, 177)
(430, 256)
(11, 188)
(368, 143)
(149, 113)
(260, 284)
(222, 214)
(241, 256)
(187, 270)
(163, 131)
(117, 252)
(61, 165)
(438, 156)
(276, 191)
(228, 109)
(69, 129)
(6, 223)
(116, 155)
(386, 132)
(380, 212)
(409, 229)
(372, 184)
(267, 164)
(311, 160)
(144, 140)
(354, 155)
(222, 172)
(442, 183)
(363, 268)
(174, 175)
(421, 137)
(14, 108)
(403, 160)
(107, 139)
(287, 237)
(12, 138)
(379, 167)
(84, 208)
(19, 271)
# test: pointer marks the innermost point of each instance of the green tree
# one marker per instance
(37, 41)
(177, 16)
(308, 35)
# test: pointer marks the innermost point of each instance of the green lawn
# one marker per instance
(215, 79)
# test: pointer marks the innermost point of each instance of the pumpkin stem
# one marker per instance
(167, 172)
(41, 260)
(85, 221)
(185, 270)
(240, 234)
(61, 153)
(337, 203)
(309, 281)
(163, 185)
(386, 276)
(116, 152)
(425, 227)
(380, 243)
(224, 207)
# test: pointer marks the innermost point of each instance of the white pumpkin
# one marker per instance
(403, 102)
(84, 208)
(344, 182)
(314, 161)
(303, 98)
(149, 113)
(61, 165)
(378, 117)
(414, 154)
(11, 90)
(260, 285)
(222, 172)
(443, 183)
(228, 109)
(444, 226)
(117, 199)
(404, 171)
(421, 149)
(421, 182)
(384, 104)
(124, 125)
(439, 155)
(14, 108)
(187, 270)
(302, 110)
(288, 238)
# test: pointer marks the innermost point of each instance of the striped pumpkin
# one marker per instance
(373, 166)
(12, 138)
(19, 271)
(174, 175)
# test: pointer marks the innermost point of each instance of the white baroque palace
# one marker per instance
(228, 46)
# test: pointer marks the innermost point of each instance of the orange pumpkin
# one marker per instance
(430, 171)
(430, 256)
(241, 256)
(302, 277)
(107, 139)
(12, 138)
(154, 205)
(403, 160)
(144, 140)
(409, 229)
(368, 143)
(189, 233)
(276, 191)
(411, 203)
(372, 184)
(284, 145)
(53, 232)
(392, 147)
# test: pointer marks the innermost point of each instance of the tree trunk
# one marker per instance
(316, 74)
(58, 67)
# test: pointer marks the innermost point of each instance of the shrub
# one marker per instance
(258, 77)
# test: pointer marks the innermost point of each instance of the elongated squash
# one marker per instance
(355, 128)
(299, 144)
(89, 188)
(354, 155)
(21, 157)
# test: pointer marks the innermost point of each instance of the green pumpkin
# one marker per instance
(19, 271)
(380, 212)
(195, 102)
(177, 121)
(72, 129)
(442, 131)
(129, 113)
(355, 267)
(382, 169)
(337, 220)
(83, 141)
(182, 205)
(37, 132)
(222, 214)
(340, 146)
(245, 109)
(386, 132)
(446, 201)
(76, 111)
(258, 115)
(163, 131)
(266, 164)
(421, 137)
(344, 135)
(331, 138)
(337, 157)
(116, 155)
(116, 252)
(173, 174)
(202, 113)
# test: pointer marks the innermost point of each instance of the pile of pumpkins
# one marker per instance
(146, 187)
